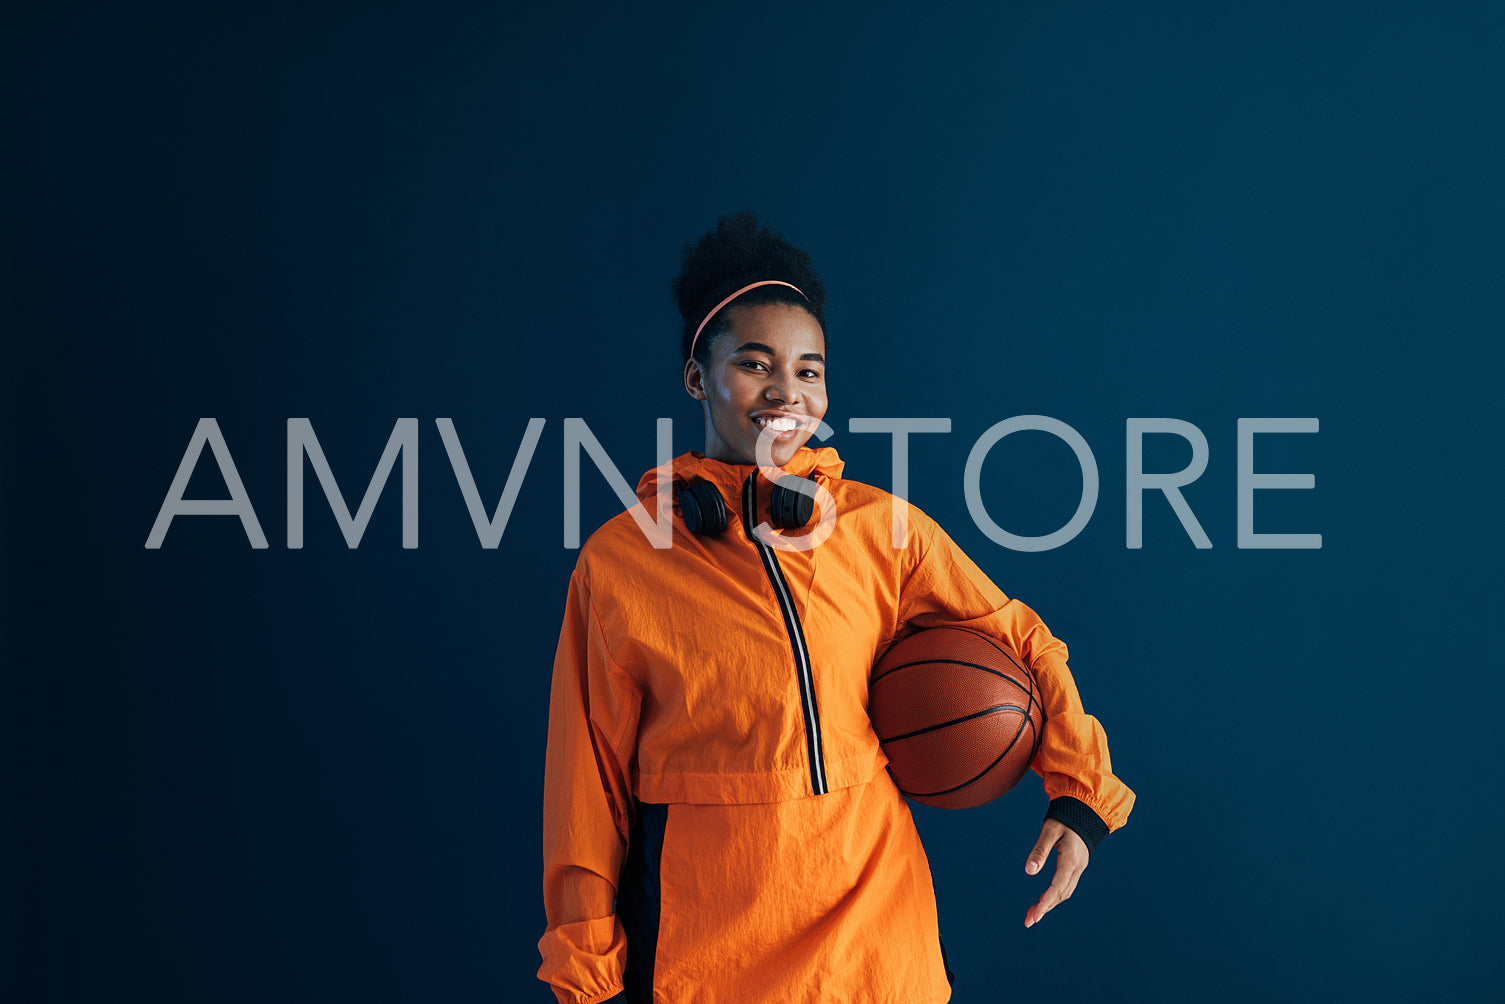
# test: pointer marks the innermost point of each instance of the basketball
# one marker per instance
(958, 715)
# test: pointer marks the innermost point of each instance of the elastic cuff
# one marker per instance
(1080, 818)
(619, 997)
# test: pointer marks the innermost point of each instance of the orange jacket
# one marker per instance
(738, 780)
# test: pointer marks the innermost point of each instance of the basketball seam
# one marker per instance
(949, 662)
(955, 721)
(980, 774)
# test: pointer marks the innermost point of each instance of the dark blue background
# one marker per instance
(237, 775)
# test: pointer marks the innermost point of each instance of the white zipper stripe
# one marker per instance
(807, 679)
(796, 638)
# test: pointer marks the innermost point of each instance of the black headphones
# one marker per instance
(704, 510)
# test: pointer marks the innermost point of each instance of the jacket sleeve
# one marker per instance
(945, 588)
(593, 713)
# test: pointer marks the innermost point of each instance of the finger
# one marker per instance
(1035, 913)
(1048, 902)
(1041, 851)
(1068, 872)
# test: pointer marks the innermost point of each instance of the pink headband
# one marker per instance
(729, 299)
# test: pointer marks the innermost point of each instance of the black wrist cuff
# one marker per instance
(1078, 815)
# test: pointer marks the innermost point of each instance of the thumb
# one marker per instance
(1036, 859)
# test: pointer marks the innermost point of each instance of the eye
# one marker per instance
(751, 363)
(815, 374)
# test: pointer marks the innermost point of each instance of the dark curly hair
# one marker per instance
(737, 251)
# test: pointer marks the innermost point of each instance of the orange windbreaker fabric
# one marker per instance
(674, 682)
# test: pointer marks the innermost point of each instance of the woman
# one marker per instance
(718, 823)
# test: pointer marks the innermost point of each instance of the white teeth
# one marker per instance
(778, 424)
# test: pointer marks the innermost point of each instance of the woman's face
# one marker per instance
(767, 370)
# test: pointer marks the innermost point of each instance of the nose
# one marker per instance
(782, 390)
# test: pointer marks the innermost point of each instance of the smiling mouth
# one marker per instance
(781, 424)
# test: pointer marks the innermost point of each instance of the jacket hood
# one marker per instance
(819, 462)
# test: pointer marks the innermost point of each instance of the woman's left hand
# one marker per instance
(1069, 866)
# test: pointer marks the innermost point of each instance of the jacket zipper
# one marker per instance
(796, 636)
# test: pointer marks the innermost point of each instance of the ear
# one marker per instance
(694, 379)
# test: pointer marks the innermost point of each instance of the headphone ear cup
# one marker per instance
(789, 507)
(702, 507)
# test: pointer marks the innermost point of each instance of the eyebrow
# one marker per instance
(768, 350)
